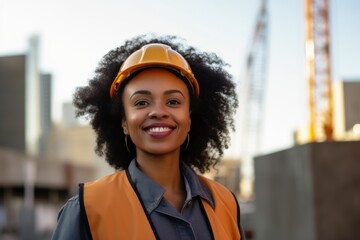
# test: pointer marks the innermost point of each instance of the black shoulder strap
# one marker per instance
(242, 235)
(84, 224)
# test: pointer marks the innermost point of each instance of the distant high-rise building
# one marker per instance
(45, 111)
(347, 109)
(25, 102)
(69, 114)
(32, 98)
(12, 102)
(351, 103)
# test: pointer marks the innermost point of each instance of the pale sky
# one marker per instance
(75, 34)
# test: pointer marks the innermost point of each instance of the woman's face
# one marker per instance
(157, 112)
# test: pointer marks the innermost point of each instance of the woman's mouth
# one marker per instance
(159, 131)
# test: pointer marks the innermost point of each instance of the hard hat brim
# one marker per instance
(154, 55)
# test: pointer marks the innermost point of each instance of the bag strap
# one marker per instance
(242, 234)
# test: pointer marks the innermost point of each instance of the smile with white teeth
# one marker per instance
(159, 129)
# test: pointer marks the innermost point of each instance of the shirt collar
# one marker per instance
(196, 186)
(151, 193)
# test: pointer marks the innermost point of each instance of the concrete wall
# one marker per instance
(310, 192)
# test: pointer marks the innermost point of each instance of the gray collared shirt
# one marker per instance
(190, 223)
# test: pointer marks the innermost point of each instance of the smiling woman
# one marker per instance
(161, 110)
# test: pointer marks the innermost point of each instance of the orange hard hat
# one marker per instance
(154, 55)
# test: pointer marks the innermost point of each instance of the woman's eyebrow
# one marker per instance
(146, 92)
(141, 92)
(173, 91)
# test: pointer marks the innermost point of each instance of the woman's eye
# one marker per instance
(173, 102)
(141, 103)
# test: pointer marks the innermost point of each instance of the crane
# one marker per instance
(318, 70)
(252, 100)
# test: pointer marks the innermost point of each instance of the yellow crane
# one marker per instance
(318, 70)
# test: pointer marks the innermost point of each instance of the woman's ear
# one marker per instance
(124, 126)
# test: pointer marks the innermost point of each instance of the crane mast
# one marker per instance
(318, 70)
(252, 99)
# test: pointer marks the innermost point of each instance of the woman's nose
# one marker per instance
(158, 111)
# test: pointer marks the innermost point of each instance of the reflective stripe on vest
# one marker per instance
(114, 210)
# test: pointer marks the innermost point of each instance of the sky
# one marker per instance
(75, 34)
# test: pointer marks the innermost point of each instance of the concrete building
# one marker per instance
(32, 190)
(33, 183)
(227, 172)
(76, 143)
(73, 141)
(25, 102)
(69, 115)
(12, 102)
(347, 110)
(45, 111)
(309, 191)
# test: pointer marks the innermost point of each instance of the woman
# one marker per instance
(161, 110)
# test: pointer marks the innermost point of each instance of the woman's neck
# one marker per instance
(165, 171)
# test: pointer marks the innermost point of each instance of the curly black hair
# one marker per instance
(211, 114)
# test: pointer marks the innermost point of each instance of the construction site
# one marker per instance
(309, 190)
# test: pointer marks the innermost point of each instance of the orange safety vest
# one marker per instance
(114, 211)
